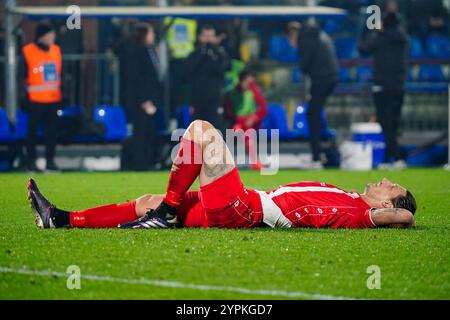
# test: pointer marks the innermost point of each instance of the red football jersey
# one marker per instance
(315, 205)
(302, 204)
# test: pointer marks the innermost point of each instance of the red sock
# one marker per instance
(186, 167)
(108, 216)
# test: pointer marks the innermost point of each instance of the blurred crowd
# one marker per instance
(201, 54)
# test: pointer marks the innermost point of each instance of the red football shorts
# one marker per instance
(224, 203)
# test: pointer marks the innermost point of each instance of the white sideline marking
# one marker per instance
(175, 284)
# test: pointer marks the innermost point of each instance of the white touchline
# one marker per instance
(176, 284)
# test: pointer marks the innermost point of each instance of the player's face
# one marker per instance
(384, 190)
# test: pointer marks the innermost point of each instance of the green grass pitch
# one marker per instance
(297, 263)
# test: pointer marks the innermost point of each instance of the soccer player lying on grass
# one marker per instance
(224, 202)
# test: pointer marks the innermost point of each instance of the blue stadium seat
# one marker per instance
(11, 133)
(410, 74)
(70, 111)
(275, 47)
(161, 124)
(296, 75)
(282, 51)
(427, 87)
(114, 120)
(431, 72)
(183, 117)
(346, 47)
(74, 111)
(6, 130)
(438, 46)
(415, 48)
(364, 73)
(21, 127)
(277, 119)
(301, 127)
(344, 74)
(333, 26)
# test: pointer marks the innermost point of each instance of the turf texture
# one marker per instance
(297, 263)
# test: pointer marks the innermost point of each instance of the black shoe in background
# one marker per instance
(31, 167)
(51, 166)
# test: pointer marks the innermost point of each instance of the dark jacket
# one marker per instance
(317, 54)
(390, 56)
(207, 66)
(143, 80)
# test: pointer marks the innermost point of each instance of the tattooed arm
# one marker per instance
(393, 218)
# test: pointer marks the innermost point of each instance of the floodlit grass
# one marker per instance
(414, 264)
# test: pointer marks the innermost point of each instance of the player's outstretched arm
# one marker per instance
(393, 218)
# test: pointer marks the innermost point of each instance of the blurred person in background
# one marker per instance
(319, 62)
(292, 31)
(41, 71)
(426, 17)
(144, 92)
(389, 47)
(71, 43)
(181, 36)
(122, 43)
(246, 107)
(207, 66)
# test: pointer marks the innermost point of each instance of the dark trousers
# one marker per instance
(320, 91)
(179, 89)
(143, 141)
(388, 103)
(42, 114)
(209, 111)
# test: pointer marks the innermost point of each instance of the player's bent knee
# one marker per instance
(207, 125)
(201, 132)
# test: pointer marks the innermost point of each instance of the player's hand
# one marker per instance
(149, 108)
(217, 40)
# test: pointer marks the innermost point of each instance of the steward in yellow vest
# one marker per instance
(181, 37)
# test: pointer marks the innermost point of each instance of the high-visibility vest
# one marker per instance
(181, 36)
(44, 73)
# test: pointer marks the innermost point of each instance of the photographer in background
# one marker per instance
(389, 47)
(207, 66)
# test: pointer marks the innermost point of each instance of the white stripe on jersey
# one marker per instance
(272, 214)
(283, 190)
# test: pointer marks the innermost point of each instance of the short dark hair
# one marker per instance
(141, 30)
(407, 202)
(244, 74)
(42, 29)
(206, 27)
